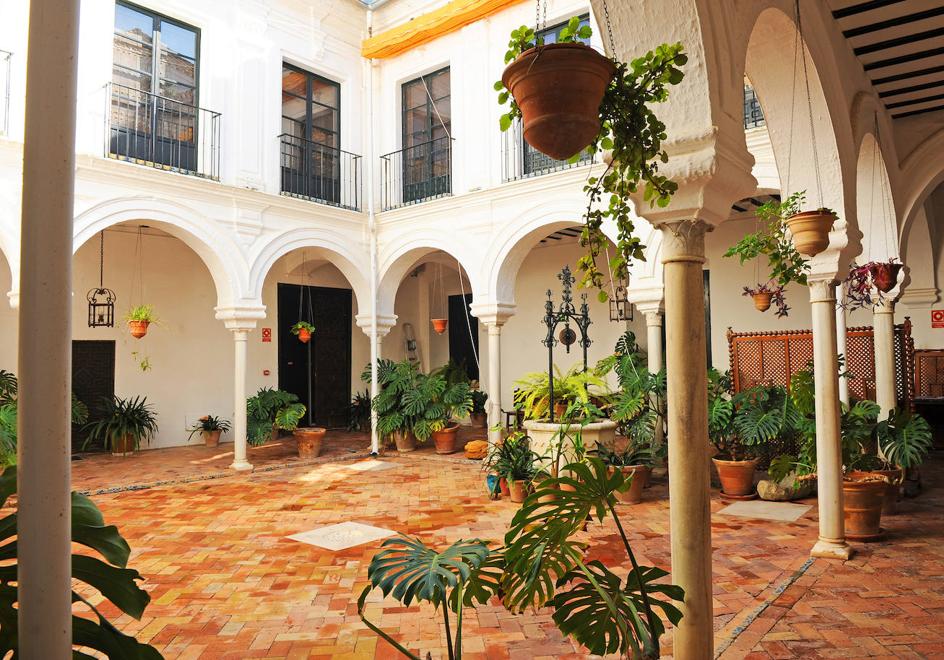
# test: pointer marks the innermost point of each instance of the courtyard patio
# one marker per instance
(226, 582)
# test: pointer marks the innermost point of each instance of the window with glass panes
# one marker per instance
(154, 81)
(427, 146)
(311, 138)
(534, 160)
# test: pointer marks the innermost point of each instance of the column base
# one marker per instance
(828, 549)
(241, 466)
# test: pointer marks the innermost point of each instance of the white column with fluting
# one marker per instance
(832, 542)
(883, 324)
(683, 254)
(45, 332)
(841, 339)
(240, 426)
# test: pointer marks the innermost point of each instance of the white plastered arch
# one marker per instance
(875, 204)
(922, 171)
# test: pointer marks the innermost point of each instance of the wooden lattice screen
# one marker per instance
(771, 358)
(929, 374)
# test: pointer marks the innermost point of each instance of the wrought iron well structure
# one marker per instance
(567, 314)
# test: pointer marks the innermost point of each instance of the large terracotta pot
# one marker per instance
(559, 88)
(309, 440)
(123, 446)
(640, 475)
(519, 490)
(810, 231)
(445, 440)
(762, 300)
(304, 335)
(894, 477)
(405, 441)
(138, 328)
(884, 275)
(737, 478)
(212, 438)
(862, 508)
(478, 420)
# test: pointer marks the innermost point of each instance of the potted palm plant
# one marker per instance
(395, 403)
(438, 404)
(303, 330)
(123, 425)
(269, 411)
(211, 427)
(139, 318)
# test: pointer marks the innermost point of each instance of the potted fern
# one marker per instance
(124, 424)
(635, 462)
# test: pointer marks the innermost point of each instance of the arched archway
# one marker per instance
(922, 171)
(875, 205)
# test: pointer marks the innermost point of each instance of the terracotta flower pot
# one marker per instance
(445, 440)
(309, 441)
(138, 328)
(405, 441)
(862, 507)
(123, 446)
(884, 275)
(503, 487)
(211, 438)
(519, 490)
(762, 300)
(559, 88)
(639, 474)
(304, 335)
(894, 477)
(478, 420)
(737, 478)
(439, 325)
(810, 231)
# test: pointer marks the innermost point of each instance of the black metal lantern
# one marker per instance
(101, 300)
(620, 307)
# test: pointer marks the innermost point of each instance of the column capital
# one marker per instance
(822, 290)
(241, 317)
(683, 241)
(493, 314)
(885, 306)
(384, 323)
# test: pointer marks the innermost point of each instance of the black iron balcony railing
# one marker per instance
(753, 115)
(5, 57)
(417, 173)
(160, 132)
(320, 173)
(520, 160)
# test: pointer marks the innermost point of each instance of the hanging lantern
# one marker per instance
(101, 301)
(620, 307)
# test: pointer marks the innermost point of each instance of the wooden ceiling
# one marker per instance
(900, 44)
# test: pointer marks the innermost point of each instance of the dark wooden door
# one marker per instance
(93, 381)
(463, 334)
(318, 372)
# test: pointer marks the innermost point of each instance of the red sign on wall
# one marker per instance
(937, 318)
(266, 335)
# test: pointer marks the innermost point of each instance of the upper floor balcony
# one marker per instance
(520, 160)
(416, 174)
(161, 132)
(320, 173)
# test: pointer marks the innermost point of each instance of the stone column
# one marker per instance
(883, 324)
(494, 316)
(832, 542)
(841, 339)
(45, 331)
(683, 253)
(375, 331)
(654, 340)
(240, 426)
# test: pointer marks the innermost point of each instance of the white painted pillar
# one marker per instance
(376, 328)
(654, 340)
(841, 339)
(832, 537)
(683, 254)
(883, 324)
(494, 382)
(45, 332)
(240, 426)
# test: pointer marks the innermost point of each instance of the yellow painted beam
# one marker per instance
(432, 25)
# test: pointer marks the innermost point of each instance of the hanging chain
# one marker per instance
(888, 204)
(796, 52)
(809, 107)
(101, 259)
(609, 29)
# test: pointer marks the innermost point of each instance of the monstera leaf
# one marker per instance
(111, 577)
(905, 438)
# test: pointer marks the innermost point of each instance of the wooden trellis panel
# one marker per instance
(929, 374)
(771, 358)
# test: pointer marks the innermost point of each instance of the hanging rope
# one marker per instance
(809, 107)
(468, 321)
(888, 204)
(435, 108)
(137, 275)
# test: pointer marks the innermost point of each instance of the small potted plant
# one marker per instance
(478, 418)
(809, 229)
(632, 461)
(303, 330)
(765, 294)
(269, 411)
(308, 440)
(520, 469)
(211, 427)
(885, 274)
(123, 425)
(861, 279)
(139, 318)
(904, 440)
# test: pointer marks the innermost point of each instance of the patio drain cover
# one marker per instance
(371, 464)
(342, 536)
(779, 511)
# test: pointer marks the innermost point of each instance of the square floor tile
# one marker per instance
(370, 465)
(779, 511)
(342, 535)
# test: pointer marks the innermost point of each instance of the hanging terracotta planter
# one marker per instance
(559, 88)
(439, 325)
(304, 336)
(884, 275)
(138, 328)
(810, 230)
(762, 300)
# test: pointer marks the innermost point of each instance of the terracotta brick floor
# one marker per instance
(226, 583)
